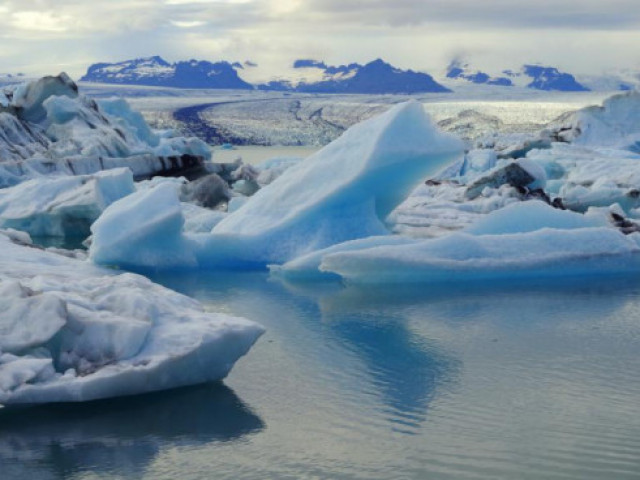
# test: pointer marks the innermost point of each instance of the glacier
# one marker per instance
(341, 193)
(71, 332)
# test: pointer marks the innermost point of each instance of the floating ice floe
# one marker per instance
(465, 192)
(341, 193)
(586, 177)
(528, 239)
(70, 331)
(307, 267)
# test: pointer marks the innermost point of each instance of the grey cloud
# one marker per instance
(415, 33)
(571, 14)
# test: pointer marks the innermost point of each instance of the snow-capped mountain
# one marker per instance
(155, 71)
(550, 78)
(537, 77)
(623, 80)
(309, 76)
(376, 77)
(460, 70)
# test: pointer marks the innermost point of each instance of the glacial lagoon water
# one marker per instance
(536, 380)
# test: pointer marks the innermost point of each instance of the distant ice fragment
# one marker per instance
(530, 216)
(615, 124)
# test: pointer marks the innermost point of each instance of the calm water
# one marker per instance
(529, 381)
(255, 155)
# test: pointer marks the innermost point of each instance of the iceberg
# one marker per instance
(48, 127)
(144, 229)
(530, 216)
(343, 192)
(307, 267)
(521, 240)
(71, 332)
(64, 206)
(614, 124)
(465, 257)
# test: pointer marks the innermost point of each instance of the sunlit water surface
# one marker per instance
(533, 381)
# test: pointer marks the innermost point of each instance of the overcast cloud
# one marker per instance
(44, 36)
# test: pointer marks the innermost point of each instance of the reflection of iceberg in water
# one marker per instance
(398, 369)
(406, 370)
(513, 301)
(120, 436)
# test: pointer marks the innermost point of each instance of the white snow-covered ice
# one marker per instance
(71, 331)
(48, 127)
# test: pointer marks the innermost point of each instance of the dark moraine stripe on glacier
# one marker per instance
(190, 119)
(193, 124)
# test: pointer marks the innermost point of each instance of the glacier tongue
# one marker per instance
(343, 192)
(70, 331)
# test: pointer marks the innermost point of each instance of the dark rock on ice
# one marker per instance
(208, 192)
(511, 174)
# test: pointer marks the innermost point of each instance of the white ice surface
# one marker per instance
(307, 266)
(460, 256)
(62, 206)
(70, 331)
(524, 240)
(48, 127)
(530, 216)
(615, 124)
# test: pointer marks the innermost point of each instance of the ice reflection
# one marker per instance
(119, 436)
(400, 368)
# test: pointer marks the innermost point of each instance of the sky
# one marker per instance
(580, 36)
